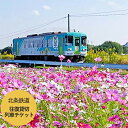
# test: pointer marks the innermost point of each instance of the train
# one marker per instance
(48, 46)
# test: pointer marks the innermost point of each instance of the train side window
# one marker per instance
(45, 44)
(24, 45)
(42, 43)
(77, 42)
(38, 45)
(29, 45)
(84, 40)
(70, 39)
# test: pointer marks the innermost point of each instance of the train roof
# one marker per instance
(54, 33)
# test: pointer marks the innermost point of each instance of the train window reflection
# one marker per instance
(77, 42)
(84, 40)
(70, 39)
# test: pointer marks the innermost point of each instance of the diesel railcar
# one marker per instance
(48, 46)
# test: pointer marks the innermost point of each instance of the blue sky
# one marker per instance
(19, 18)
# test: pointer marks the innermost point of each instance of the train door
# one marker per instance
(60, 46)
(77, 45)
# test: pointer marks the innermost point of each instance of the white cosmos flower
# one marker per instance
(44, 83)
(73, 121)
(82, 112)
(81, 104)
(52, 107)
(120, 85)
(127, 97)
(105, 86)
(50, 95)
(115, 110)
(38, 101)
(59, 87)
(108, 125)
(86, 86)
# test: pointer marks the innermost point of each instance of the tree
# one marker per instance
(125, 50)
(110, 47)
(7, 50)
(89, 47)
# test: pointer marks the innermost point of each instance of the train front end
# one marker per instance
(75, 46)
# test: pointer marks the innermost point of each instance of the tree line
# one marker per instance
(109, 47)
(7, 50)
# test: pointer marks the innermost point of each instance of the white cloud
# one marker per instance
(111, 3)
(114, 4)
(36, 12)
(101, 0)
(46, 7)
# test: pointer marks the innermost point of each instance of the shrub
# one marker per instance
(7, 57)
(111, 57)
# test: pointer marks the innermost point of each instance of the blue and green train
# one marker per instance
(48, 46)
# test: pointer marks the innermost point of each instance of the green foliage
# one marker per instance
(6, 50)
(114, 46)
(125, 50)
(7, 56)
(107, 57)
(89, 46)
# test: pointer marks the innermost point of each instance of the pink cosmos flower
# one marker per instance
(112, 94)
(97, 97)
(126, 125)
(104, 107)
(77, 89)
(61, 57)
(83, 125)
(7, 91)
(35, 94)
(3, 126)
(115, 126)
(35, 121)
(57, 123)
(64, 109)
(122, 101)
(94, 68)
(3, 82)
(82, 78)
(114, 118)
(97, 124)
(98, 59)
(69, 61)
(45, 96)
(77, 109)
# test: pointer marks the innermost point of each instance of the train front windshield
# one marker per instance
(84, 41)
(70, 39)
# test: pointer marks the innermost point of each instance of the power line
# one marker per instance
(35, 27)
(87, 15)
(112, 13)
(123, 10)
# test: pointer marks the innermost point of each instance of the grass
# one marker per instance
(68, 68)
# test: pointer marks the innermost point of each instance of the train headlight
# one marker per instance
(69, 49)
(84, 49)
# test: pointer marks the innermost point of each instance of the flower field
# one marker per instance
(82, 98)
(107, 58)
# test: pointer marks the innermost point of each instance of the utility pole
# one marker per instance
(68, 23)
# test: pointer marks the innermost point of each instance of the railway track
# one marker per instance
(79, 64)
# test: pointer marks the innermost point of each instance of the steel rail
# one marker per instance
(112, 66)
